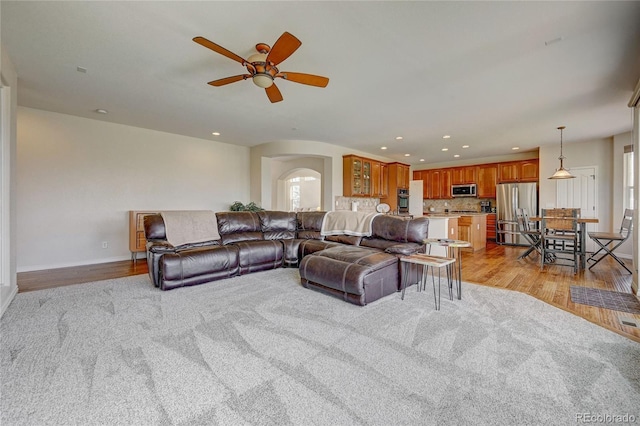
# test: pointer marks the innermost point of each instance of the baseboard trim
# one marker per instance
(71, 264)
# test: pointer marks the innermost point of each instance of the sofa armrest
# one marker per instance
(162, 246)
(351, 240)
(405, 249)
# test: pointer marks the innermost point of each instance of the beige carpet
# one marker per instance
(262, 350)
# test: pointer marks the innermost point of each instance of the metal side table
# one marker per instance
(453, 251)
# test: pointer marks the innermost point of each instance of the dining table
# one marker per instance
(582, 223)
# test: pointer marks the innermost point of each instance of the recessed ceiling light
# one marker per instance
(515, 148)
(399, 138)
(407, 155)
(457, 155)
(446, 137)
(102, 111)
(445, 149)
(384, 147)
(465, 146)
(216, 133)
(422, 159)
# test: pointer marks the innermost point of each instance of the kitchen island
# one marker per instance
(465, 226)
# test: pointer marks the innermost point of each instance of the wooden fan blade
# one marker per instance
(310, 79)
(218, 49)
(284, 47)
(273, 93)
(229, 80)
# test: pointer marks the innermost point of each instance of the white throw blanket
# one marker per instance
(348, 223)
(190, 226)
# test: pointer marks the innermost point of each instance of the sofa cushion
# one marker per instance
(197, 266)
(372, 259)
(397, 229)
(259, 255)
(239, 226)
(278, 225)
(154, 227)
(309, 224)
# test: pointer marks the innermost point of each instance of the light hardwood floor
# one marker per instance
(496, 266)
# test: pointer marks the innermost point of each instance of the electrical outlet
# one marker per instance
(105, 244)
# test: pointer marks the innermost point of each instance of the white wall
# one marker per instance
(261, 165)
(8, 215)
(78, 178)
(598, 153)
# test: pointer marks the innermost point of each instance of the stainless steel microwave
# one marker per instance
(468, 190)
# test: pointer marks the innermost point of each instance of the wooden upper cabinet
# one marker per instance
(384, 180)
(375, 178)
(423, 175)
(518, 171)
(462, 175)
(437, 183)
(487, 180)
(363, 177)
(508, 172)
(356, 180)
(529, 171)
(402, 171)
(379, 179)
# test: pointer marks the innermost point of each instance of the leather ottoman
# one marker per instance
(355, 274)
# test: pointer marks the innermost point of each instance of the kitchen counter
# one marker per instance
(469, 226)
(454, 214)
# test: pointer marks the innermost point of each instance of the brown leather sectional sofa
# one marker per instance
(356, 269)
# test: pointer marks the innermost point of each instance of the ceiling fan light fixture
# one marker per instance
(263, 80)
(561, 173)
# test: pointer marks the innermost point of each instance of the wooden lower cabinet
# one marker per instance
(453, 228)
(473, 229)
(491, 226)
(137, 240)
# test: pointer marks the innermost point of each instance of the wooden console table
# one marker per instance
(137, 240)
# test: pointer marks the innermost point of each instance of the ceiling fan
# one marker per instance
(262, 66)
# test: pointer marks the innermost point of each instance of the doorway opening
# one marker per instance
(303, 190)
(581, 193)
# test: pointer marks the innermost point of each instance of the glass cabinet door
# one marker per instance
(357, 176)
(366, 177)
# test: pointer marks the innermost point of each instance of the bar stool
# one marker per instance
(428, 261)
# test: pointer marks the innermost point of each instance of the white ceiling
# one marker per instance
(479, 71)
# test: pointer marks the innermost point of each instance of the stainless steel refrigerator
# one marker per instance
(509, 197)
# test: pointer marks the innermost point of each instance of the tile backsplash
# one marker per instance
(463, 203)
(364, 204)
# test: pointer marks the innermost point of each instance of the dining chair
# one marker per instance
(604, 239)
(531, 235)
(559, 238)
(565, 212)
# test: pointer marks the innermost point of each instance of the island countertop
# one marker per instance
(453, 214)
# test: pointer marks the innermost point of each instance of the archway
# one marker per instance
(301, 191)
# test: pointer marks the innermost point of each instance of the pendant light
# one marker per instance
(561, 173)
